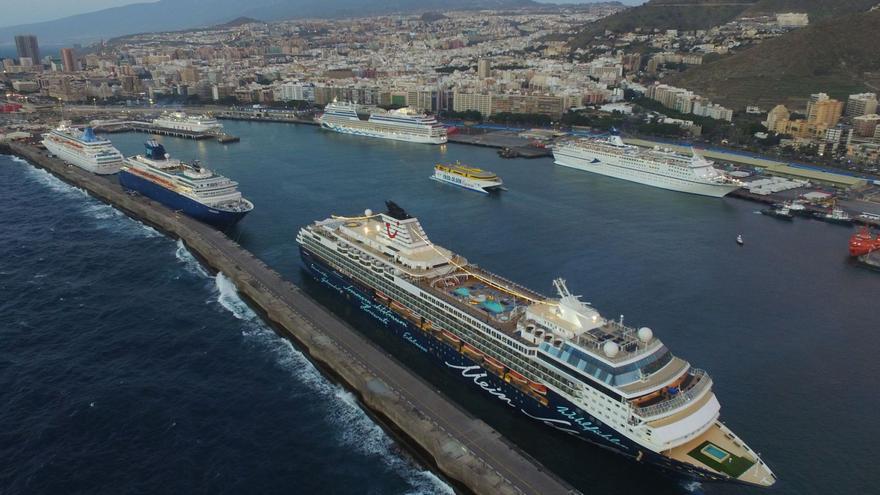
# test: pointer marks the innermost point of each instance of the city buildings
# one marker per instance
(68, 60)
(27, 47)
(861, 104)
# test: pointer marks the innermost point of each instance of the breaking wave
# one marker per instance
(106, 216)
(355, 428)
(190, 263)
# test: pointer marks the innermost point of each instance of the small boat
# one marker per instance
(797, 208)
(739, 240)
(781, 212)
(837, 216)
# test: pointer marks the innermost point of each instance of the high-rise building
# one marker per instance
(484, 68)
(777, 118)
(26, 45)
(861, 104)
(68, 60)
(824, 110)
(866, 125)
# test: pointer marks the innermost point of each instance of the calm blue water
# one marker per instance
(785, 326)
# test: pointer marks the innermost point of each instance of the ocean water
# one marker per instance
(126, 368)
(786, 325)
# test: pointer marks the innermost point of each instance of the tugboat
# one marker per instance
(837, 216)
(780, 212)
(797, 208)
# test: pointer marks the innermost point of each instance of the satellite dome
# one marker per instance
(368, 212)
(646, 334)
(610, 349)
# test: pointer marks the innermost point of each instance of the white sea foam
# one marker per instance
(694, 487)
(190, 263)
(107, 216)
(354, 428)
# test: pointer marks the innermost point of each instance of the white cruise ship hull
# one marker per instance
(604, 166)
(84, 162)
(365, 130)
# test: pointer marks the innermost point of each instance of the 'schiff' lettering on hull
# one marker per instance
(477, 374)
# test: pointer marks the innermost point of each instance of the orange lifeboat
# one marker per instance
(494, 366)
(450, 339)
(516, 379)
(538, 388)
(472, 353)
(862, 242)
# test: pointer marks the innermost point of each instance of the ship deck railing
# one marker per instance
(625, 337)
(508, 326)
(700, 382)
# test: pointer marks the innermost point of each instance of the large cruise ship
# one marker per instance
(83, 149)
(652, 167)
(403, 125)
(180, 121)
(556, 360)
(190, 188)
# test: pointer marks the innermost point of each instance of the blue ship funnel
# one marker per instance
(89, 135)
(154, 150)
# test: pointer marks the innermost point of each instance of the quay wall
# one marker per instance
(468, 452)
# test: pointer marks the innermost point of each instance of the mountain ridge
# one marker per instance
(173, 15)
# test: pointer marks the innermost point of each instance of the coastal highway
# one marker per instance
(466, 450)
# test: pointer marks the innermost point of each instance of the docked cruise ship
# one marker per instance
(180, 121)
(652, 167)
(556, 360)
(83, 149)
(402, 125)
(472, 178)
(190, 188)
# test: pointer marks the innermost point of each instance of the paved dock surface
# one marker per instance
(463, 448)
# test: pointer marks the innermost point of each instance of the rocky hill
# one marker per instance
(837, 56)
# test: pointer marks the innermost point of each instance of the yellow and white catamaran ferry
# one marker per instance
(472, 178)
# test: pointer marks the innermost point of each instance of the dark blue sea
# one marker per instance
(125, 369)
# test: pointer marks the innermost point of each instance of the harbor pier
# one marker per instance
(464, 449)
(136, 126)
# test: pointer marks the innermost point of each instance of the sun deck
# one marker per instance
(719, 450)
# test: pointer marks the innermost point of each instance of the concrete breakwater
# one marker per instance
(467, 451)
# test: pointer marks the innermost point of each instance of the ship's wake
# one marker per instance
(694, 487)
(353, 427)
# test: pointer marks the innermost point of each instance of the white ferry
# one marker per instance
(653, 167)
(83, 149)
(471, 178)
(180, 121)
(404, 124)
(556, 360)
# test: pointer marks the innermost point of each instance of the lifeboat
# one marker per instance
(382, 297)
(493, 366)
(472, 353)
(538, 388)
(862, 242)
(450, 339)
(400, 308)
(515, 378)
